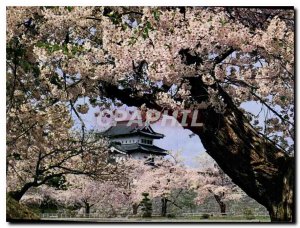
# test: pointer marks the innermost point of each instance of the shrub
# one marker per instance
(146, 205)
(205, 216)
(171, 215)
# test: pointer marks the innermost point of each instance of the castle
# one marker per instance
(134, 140)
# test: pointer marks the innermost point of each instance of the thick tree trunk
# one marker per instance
(283, 210)
(17, 195)
(164, 204)
(254, 163)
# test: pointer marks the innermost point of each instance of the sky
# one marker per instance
(177, 139)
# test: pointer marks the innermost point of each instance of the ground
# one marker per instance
(194, 219)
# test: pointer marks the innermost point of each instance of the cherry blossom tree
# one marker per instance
(38, 159)
(81, 192)
(167, 59)
(115, 200)
(212, 181)
(134, 171)
(36, 197)
(159, 181)
(105, 196)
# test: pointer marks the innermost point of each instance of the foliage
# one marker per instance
(170, 46)
(146, 205)
(248, 213)
(205, 216)
(171, 215)
(185, 198)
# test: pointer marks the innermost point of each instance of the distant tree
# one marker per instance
(106, 197)
(159, 181)
(216, 183)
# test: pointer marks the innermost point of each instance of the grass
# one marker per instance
(157, 219)
(16, 211)
(261, 218)
(187, 218)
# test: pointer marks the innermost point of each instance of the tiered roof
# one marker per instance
(122, 129)
(137, 147)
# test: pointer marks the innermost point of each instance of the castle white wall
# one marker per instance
(131, 139)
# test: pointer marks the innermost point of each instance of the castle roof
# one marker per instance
(137, 147)
(125, 128)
